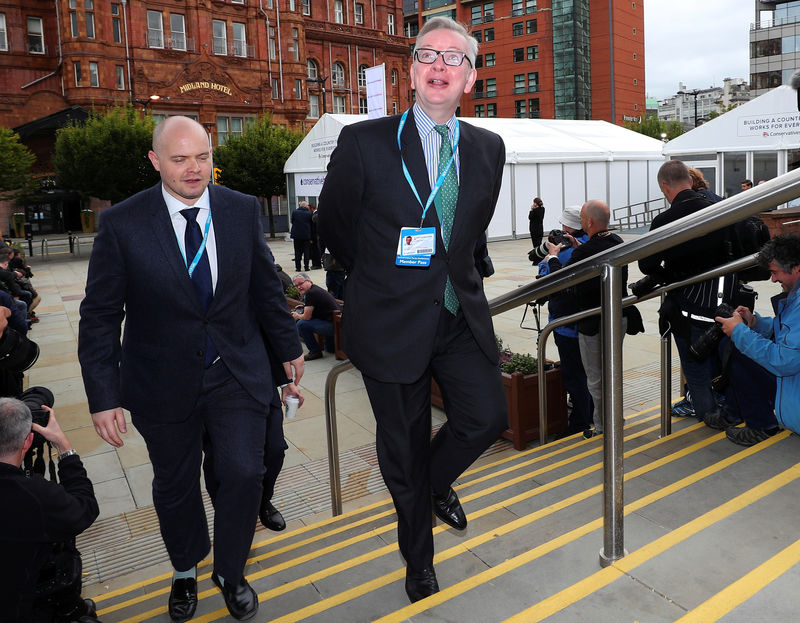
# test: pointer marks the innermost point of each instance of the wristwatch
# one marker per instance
(69, 452)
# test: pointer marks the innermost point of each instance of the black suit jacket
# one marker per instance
(392, 312)
(137, 273)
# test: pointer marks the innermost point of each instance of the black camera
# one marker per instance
(556, 236)
(17, 352)
(707, 343)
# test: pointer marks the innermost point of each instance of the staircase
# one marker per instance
(712, 530)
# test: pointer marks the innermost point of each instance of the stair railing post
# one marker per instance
(612, 334)
(666, 380)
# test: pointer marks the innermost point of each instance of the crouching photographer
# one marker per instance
(40, 574)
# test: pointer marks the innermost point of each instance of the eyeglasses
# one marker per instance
(428, 56)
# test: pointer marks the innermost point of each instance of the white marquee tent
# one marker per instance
(563, 162)
(758, 140)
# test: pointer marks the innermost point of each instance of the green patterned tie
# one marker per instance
(446, 200)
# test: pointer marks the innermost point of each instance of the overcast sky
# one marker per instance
(697, 42)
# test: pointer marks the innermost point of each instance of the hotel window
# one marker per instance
(275, 88)
(533, 52)
(313, 106)
(363, 108)
(490, 59)
(480, 110)
(311, 69)
(338, 11)
(394, 107)
(292, 6)
(35, 35)
(337, 75)
(116, 24)
(73, 23)
(298, 88)
(519, 109)
(155, 30)
(478, 36)
(362, 77)
(359, 13)
(488, 12)
(394, 76)
(530, 6)
(177, 27)
(390, 23)
(518, 55)
(519, 83)
(533, 82)
(220, 37)
(516, 8)
(240, 40)
(94, 74)
(531, 27)
(516, 29)
(491, 110)
(120, 78)
(479, 61)
(488, 34)
(533, 108)
(228, 127)
(296, 43)
(477, 18)
(272, 45)
(237, 1)
(89, 6)
(3, 33)
(478, 90)
(491, 87)
(76, 70)
(306, 7)
(338, 104)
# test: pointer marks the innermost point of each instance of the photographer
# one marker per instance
(595, 216)
(563, 304)
(773, 342)
(41, 571)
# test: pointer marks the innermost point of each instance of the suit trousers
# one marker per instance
(413, 464)
(234, 424)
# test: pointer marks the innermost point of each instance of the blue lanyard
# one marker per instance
(439, 180)
(202, 248)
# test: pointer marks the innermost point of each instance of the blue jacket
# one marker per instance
(774, 343)
(563, 304)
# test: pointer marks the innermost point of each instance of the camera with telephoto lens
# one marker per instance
(556, 236)
(707, 343)
(17, 352)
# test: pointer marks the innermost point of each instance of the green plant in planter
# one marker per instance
(293, 293)
(515, 362)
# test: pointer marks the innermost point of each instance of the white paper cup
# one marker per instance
(292, 402)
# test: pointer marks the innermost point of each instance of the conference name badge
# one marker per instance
(416, 246)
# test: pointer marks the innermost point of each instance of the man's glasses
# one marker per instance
(427, 56)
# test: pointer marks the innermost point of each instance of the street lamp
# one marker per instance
(321, 83)
(692, 92)
(147, 102)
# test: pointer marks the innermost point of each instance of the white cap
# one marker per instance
(571, 217)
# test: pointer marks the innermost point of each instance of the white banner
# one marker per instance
(772, 124)
(376, 91)
(308, 184)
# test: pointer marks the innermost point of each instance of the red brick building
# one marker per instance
(221, 62)
(550, 59)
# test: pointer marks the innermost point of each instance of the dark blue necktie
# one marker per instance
(201, 277)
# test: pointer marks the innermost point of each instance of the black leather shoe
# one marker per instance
(240, 598)
(422, 584)
(448, 509)
(271, 517)
(183, 599)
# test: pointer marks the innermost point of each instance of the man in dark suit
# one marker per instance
(407, 323)
(196, 288)
(301, 234)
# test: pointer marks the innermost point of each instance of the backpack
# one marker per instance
(745, 238)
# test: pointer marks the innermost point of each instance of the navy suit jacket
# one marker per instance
(137, 273)
(392, 312)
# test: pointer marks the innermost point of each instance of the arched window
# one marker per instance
(337, 75)
(312, 71)
(362, 77)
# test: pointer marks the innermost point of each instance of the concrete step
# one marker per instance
(703, 518)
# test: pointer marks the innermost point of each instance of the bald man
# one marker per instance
(186, 266)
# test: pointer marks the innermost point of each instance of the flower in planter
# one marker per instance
(515, 362)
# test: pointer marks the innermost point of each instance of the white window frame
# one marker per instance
(338, 11)
(338, 75)
(298, 88)
(363, 106)
(306, 7)
(395, 77)
(313, 106)
(362, 76)
(31, 33)
(94, 74)
(76, 71)
(358, 13)
(73, 23)
(390, 23)
(90, 29)
(120, 77)
(3, 33)
(177, 35)
(312, 71)
(239, 39)
(155, 31)
(339, 105)
(219, 37)
(116, 24)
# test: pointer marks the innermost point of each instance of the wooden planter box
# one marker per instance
(522, 397)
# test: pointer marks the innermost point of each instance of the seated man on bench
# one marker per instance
(316, 316)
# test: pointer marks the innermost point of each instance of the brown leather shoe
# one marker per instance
(312, 356)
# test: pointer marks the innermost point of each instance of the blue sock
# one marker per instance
(182, 575)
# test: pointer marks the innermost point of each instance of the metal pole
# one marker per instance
(333, 439)
(613, 515)
(666, 381)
